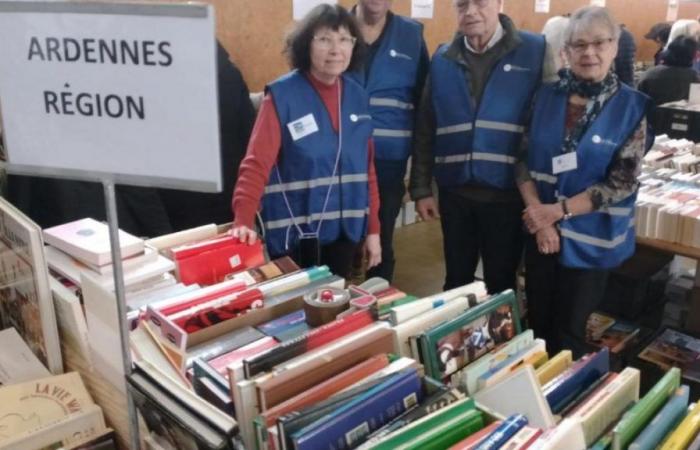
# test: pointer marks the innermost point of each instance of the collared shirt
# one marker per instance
(497, 35)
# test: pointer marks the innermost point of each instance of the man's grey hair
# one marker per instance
(588, 16)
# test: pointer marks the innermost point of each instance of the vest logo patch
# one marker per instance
(302, 127)
(358, 117)
(394, 54)
(514, 68)
(600, 141)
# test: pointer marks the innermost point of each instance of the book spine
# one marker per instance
(350, 427)
(669, 416)
(597, 366)
(685, 432)
(503, 433)
(637, 417)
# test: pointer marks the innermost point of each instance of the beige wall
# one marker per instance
(253, 30)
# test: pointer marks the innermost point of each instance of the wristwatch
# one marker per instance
(567, 214)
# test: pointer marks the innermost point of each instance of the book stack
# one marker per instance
(82, 248)
(603, 330)
(672, 348)
(679, 154)
(668, 210)
(52, 412)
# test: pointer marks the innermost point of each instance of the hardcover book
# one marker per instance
(25, 300)
(88, 240)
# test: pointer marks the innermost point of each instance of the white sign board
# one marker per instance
(301, 7)
(694, 94)
(600, 3)
(422, 9)
(125, 92)
(542, 6)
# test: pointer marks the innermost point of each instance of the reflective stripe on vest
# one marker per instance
(318, 182)
(543, 177)
(329, 215)
(477, 156)
(381, 132)
(499, 126)
(596, 241)
(391, 102)
(459, 128)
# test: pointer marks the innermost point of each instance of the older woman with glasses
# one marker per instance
(310, 157)
(578, 179)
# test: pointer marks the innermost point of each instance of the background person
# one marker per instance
(394, 70)
(670, 81)
(311, 152)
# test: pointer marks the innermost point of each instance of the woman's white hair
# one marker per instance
(587, 16)
(553, 32)
(684, 27)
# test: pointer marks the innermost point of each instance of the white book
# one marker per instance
(183, 237)
(467, 377)
(17, 362)
(607, 405)
(402, 313)
(519, 393)
(71, 429)
(568, 435)
(403, 331)
(70, 318)
(88, 240)
(538, 346)
(70, 268)
(149, 255)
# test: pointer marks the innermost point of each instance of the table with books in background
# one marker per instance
(262, 354)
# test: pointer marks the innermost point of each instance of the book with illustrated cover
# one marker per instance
(616, 337)
(448, 347)
(25, 300)
(672, 348)
(596, 325)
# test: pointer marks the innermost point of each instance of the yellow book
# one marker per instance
(536, 360)
(556, 365)
(685, 432)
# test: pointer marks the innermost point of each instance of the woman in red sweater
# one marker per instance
(310, 160)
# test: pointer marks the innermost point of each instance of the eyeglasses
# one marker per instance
(326, 42)
(598, 45)
(463, 5)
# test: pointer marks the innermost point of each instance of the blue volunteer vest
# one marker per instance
(477, 144)
(601, 239)
(304, 168)
(391, 87)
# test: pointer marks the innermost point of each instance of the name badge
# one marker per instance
(302, 127)
(564, 163)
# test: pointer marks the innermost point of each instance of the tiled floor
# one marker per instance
(420, 269)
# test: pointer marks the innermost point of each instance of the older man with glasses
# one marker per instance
(471, 119)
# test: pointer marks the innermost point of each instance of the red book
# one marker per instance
(238, 305)
(472, 441)
(173, 309)
(210, 263)
(220, 363)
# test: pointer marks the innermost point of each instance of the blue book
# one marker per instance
(594, 368)
(351, 423)
(286, 327)
(502, 433)
(664, 421)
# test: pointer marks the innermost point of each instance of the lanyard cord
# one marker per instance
(330, 187)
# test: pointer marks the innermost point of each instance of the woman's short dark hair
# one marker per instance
(681, 52)
(298, 46)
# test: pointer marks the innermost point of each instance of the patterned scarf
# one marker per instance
(596, 93)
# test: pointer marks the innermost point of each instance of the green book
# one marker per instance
(604, 442)
(449, 432)
(634, 420)
(453, 344)
(415, 430)
(384, 309)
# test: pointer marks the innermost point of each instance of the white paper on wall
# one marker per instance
(422, 9)
(301, 7)
(542, 6)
